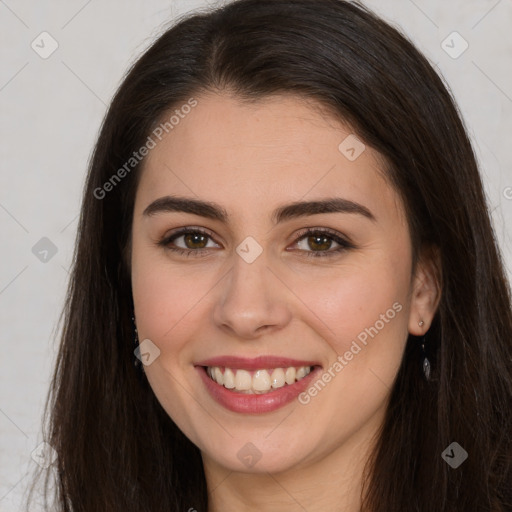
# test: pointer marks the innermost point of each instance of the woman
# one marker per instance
(284, 228)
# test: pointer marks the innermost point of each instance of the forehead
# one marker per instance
(253, 156)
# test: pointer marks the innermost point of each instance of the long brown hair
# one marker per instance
(117, 448)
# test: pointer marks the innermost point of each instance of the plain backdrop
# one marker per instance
(51, 109)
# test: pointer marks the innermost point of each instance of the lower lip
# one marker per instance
(256, 403)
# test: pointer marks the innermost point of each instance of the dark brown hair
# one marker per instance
(117, 448)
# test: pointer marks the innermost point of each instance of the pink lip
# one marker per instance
(256, 403)
(258, 363)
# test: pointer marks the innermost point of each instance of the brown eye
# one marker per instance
(320, 243)
(194, 240)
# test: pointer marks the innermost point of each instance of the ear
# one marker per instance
(426, 290)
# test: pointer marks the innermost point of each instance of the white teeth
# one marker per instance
(262, 381)
(277, 378)
(218, 376)
(290, 375)
(243, 380)
(229, 379)
(301, 372)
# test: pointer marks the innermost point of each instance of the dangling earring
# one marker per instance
(137, 362)
(426, 362)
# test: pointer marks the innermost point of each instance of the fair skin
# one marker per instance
(251, 159)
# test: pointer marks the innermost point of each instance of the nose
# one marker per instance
(253, 300)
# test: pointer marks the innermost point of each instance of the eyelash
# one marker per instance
(344, 244)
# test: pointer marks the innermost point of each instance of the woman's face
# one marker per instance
(258, 297)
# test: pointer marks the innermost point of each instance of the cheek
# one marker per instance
(348, 300)
(361, 312)
(171, 303)
(160, 293)
(167, 305)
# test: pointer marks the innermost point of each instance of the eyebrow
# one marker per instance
(286, 212)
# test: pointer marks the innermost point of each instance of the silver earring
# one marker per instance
(426, 362)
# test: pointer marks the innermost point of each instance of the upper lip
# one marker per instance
(256, 363)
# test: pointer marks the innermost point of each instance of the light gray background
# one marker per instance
(51, 110)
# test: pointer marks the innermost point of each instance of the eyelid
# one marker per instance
(342, 240)
(167, 238)
(331, 232)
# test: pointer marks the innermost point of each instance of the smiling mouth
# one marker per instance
(258, 381)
